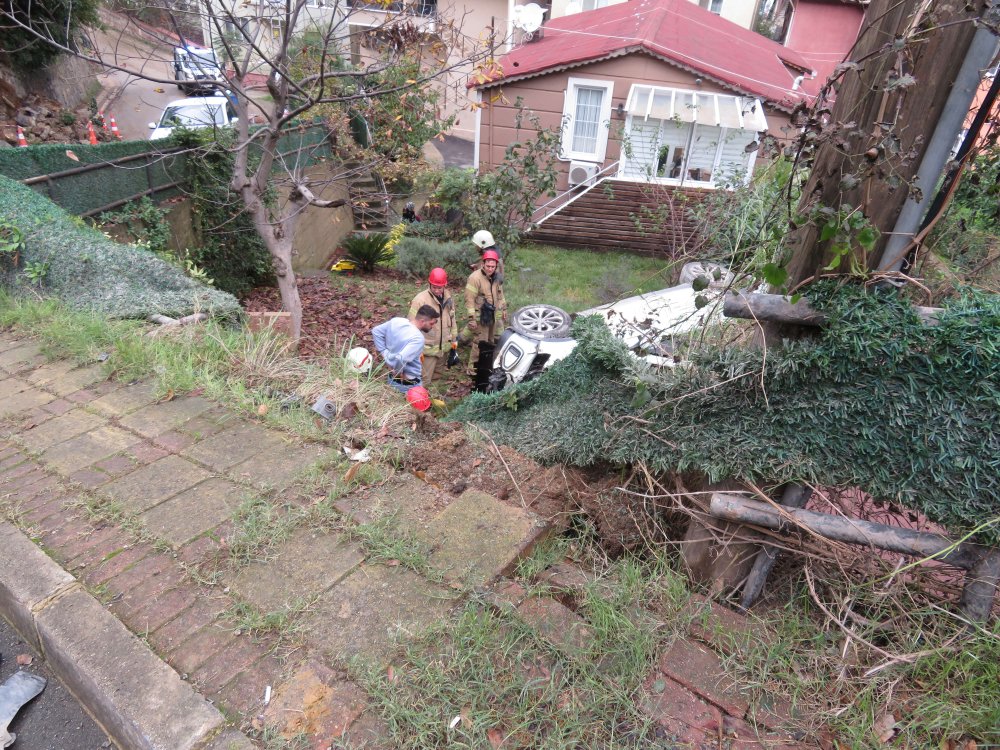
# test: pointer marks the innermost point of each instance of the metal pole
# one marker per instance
(978, 57)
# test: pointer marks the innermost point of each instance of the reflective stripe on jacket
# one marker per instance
(482, 288)
(445, 331)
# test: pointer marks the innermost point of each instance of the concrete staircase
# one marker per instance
(611, 216)
(369, 200)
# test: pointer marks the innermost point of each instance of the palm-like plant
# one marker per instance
(368, 250)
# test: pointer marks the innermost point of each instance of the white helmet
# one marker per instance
(360, 360)
(483, 239)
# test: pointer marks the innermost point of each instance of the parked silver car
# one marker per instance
(649, 324)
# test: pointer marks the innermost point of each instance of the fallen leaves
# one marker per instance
(24, 660)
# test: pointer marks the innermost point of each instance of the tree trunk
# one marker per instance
(907, 56)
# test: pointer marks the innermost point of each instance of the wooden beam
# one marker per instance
(775, 308)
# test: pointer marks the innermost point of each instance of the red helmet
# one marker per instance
(491, 255)
(419, 398)
(438, 277)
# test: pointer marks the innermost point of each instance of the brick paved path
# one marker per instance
(141, 500)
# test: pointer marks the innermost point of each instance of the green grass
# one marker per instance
(577, 279)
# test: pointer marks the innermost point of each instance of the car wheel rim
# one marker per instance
(540, 321)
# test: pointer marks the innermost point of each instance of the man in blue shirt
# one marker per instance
(401, 344)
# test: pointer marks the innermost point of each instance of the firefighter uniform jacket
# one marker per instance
(482, 288)
(439, 339)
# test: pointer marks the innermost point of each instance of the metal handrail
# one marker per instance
(557, 199)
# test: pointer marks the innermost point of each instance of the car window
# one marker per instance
(192, 116)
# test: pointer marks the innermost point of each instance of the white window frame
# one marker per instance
(573, 87)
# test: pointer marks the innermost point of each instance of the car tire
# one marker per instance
(691, 271)
(542, 322)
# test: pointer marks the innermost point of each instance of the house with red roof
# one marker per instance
(657, 92)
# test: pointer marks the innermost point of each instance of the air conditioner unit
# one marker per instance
(581, 173)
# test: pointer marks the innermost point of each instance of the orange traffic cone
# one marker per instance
(114, 128)
(21, 140)
(91, 134)
(104, 122)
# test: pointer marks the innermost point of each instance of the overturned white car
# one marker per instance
(649, 324)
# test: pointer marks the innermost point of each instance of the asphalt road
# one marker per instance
(140, 101)
(53, 720)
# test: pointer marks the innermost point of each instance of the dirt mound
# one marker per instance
(46, 121)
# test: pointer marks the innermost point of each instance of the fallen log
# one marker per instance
(982, 563)
(778, 309)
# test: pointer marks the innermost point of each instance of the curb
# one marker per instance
(137, 699)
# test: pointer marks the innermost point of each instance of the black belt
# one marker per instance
(402, 381)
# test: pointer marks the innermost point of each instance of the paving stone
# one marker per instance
(58, 429)
(718, 625)
(505, 595)
(9, 342)
(155, 419)
(21, 476)
(28, 399)
(230, 739)
(700, 670)
(24, 496)
(59, 407)
(132, 601)
(11, 385)
(561, 627)
(41, 512)
(478, 538)
(688, 721)
(162, 608)
(111, 541)
(278, 467)
(76, 380)
(233, 446)
(42, 376)
(209, 422)
(245, 694)
(82, 451)
(87, 541)
(222, 668)
(199, 615)
(410, 502)
(89, 479)
(14, 358)
(13, 458)
(212, 639)
(174, 441)
(145, 453)
(120, 464)
(304, 565)
(193, 511)
(367, 612)
(152, 484)
(125, 400)
(316, 701)
(203, 550)
(115, 563)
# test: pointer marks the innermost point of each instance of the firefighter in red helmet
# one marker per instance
(485, 306)
(441, 340)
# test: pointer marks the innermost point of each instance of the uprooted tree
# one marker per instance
(314, 62)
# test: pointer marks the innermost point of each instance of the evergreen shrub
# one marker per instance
(88, 271)
(417, 256)
(877, 400)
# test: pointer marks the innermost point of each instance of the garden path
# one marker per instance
(151, 503)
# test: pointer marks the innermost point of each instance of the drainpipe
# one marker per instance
(978, 57)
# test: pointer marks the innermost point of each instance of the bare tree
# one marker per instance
(350, 50)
